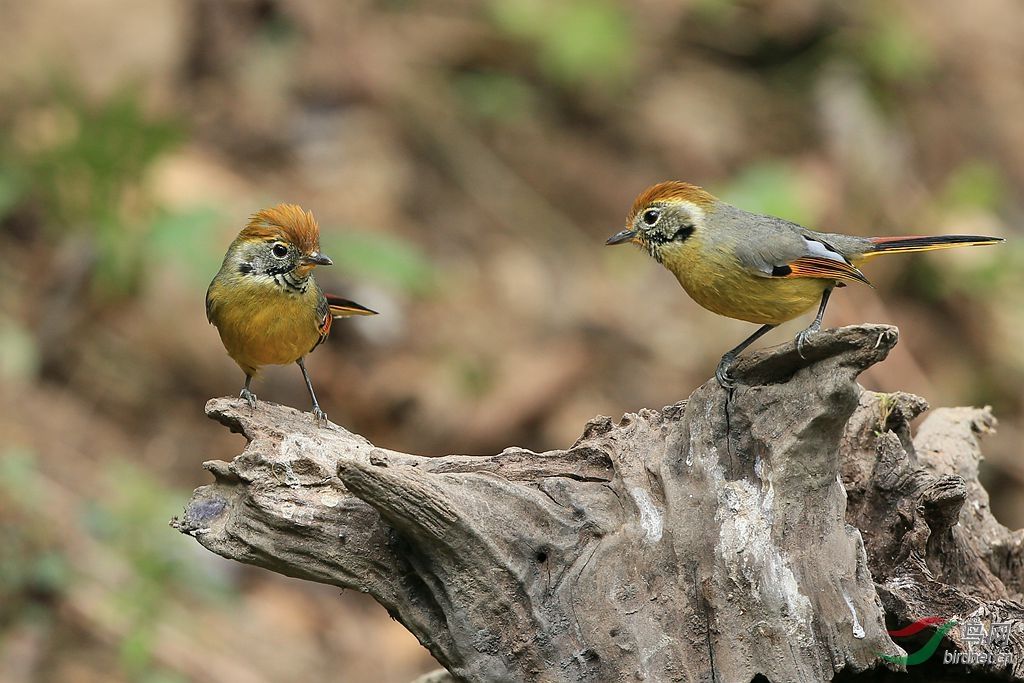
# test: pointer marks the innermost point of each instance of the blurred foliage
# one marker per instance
(33, 568)
(976, 184)
(890, 47)
(10, 185)
(576, 41)
(188, 238)
(495, 95)
(162, 567)
(714, 11)
(82, 165)
(972, 187)
(133, 505)
(19, 357)
(934, 280)
(381, 258)
(152, 570)
(770, 188)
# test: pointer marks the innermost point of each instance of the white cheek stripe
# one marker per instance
(696, 213)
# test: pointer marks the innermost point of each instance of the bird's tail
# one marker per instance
(343, 308)
(907, 243)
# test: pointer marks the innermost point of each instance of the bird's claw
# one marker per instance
(318, 415)
(803, 336)
(249, 397)
(725, 380)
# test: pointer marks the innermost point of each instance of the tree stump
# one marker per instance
(773, 531)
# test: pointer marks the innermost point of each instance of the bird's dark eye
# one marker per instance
(280, 250)
(651, 217)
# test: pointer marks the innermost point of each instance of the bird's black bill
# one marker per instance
(317, 259)
(621, 237)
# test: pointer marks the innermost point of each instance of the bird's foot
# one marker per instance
(804, 336)
(249, 397)
(725, 380)
(318, 415)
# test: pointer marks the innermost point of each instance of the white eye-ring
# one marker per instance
(279, 250)
(651, 217)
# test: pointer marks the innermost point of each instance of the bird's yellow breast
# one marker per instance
(719, 283)
(261, 323)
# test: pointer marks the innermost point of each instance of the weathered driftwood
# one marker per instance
(712, 540)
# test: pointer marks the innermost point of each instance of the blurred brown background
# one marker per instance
(466, 161)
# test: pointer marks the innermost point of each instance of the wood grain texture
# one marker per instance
(712, 540)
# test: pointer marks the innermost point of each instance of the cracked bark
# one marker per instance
(712, 540)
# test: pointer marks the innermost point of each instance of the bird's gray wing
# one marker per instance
(323, 316)
(778, 248)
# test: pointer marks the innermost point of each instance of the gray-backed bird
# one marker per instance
(753, 267)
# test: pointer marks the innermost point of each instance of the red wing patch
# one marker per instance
(815, 267)
(325, 327)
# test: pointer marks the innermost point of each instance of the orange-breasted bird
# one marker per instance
(264, 301)
(753, 267)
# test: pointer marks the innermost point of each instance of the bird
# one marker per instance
(264, 301)
(755, 267)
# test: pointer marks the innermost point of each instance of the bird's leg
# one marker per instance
(246, 394)
(804, 335)
(722, 372)
(318, 414)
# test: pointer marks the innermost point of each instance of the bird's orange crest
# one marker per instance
(671, 190)
(287, 222)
